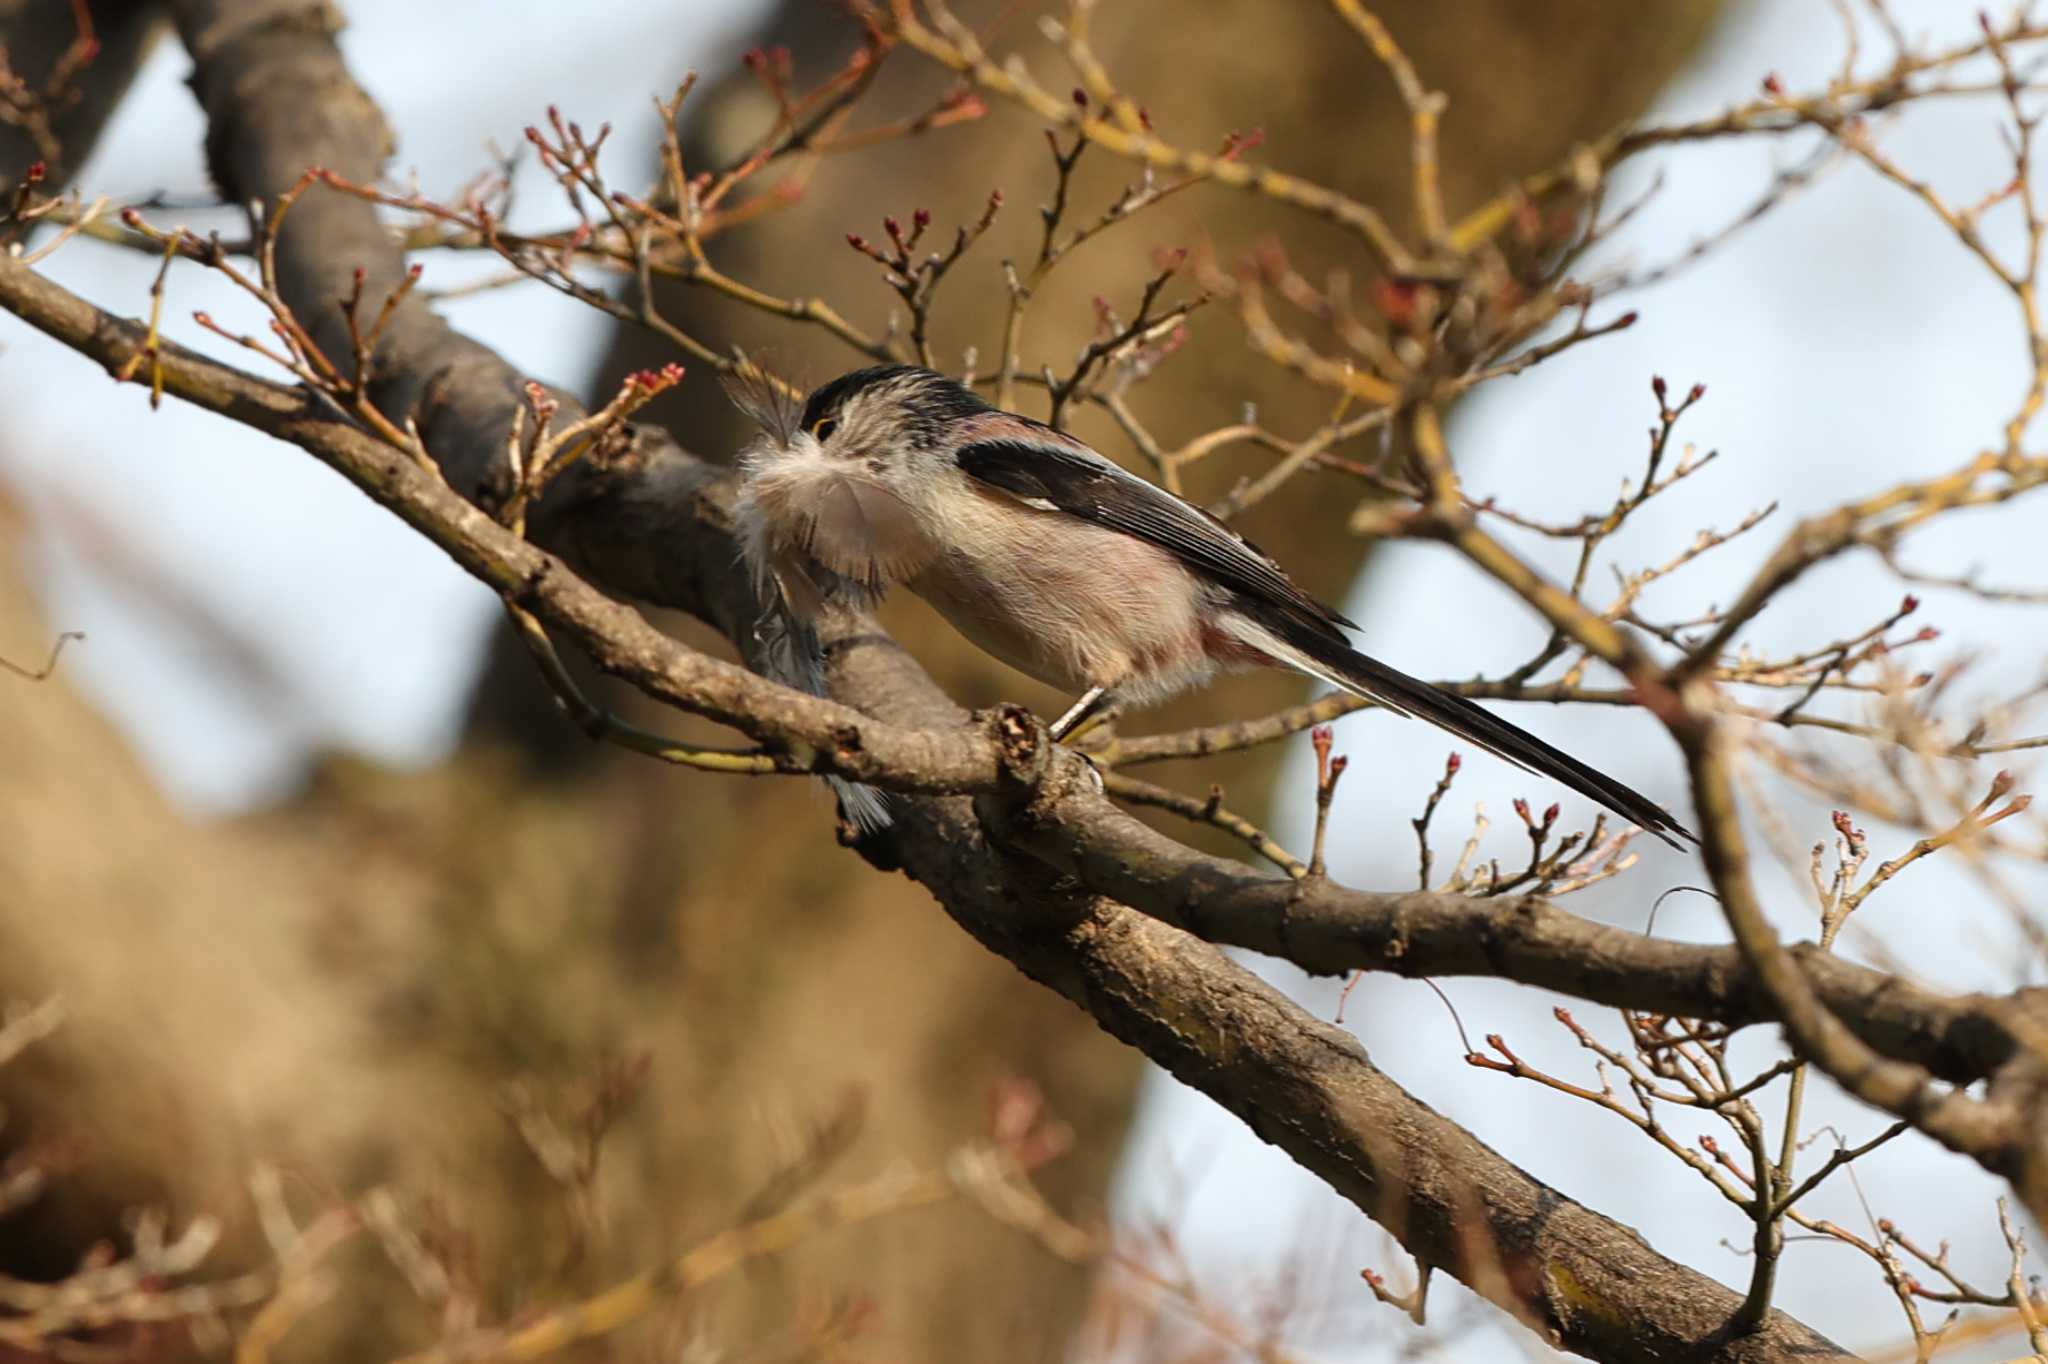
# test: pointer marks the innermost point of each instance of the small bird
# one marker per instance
(1053, 559)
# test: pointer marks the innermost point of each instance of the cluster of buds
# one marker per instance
(1663, 390)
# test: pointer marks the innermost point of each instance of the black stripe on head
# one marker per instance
(938, 398)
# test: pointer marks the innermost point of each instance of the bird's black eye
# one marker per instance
(823, 429)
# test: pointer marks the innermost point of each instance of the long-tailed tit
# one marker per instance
(1053, 559)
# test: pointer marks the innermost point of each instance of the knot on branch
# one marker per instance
(847, 747)
(1023, 749)
(1035, 773)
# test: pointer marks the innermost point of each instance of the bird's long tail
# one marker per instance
(1343, 667)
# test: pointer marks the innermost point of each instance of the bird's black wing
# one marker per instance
(1081, 483)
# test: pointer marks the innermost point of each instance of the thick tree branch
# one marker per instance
(279, 101)
(1330, 929)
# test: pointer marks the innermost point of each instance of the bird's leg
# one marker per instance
(1096, 705)
(1103, 717)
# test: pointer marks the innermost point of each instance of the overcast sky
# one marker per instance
(1846, 343)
